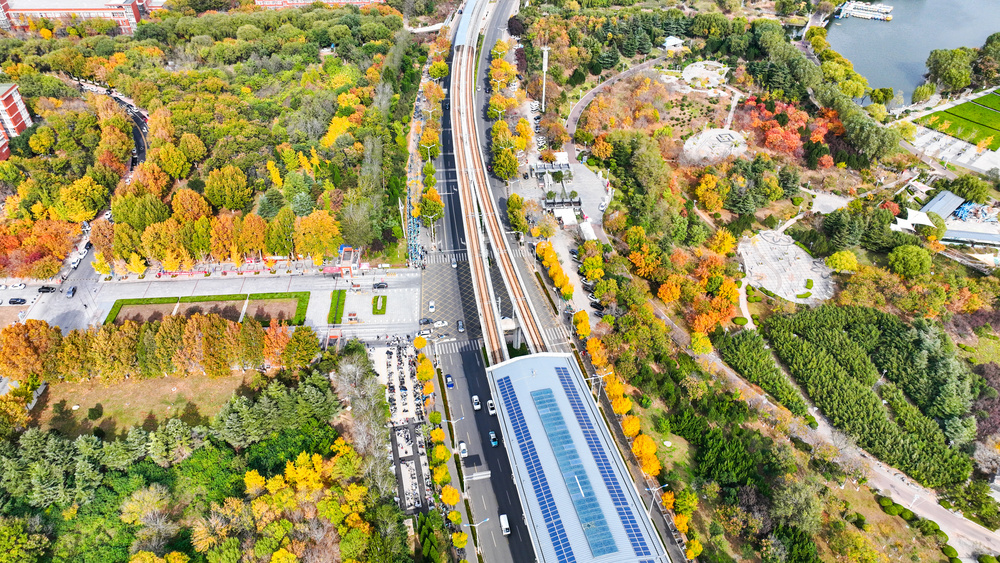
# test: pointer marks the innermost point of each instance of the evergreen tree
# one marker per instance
(643, 45)
(628, 47)
(609, 57)
(271, 203)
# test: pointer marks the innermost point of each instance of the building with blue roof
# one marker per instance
(580, 503)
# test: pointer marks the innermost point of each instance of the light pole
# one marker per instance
(428, 147)
(430, 112)
(649, 512)
(451, 428)
(476, 527)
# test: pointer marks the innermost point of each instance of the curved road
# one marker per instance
(577, 110)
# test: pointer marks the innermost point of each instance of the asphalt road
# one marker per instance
(492, 493)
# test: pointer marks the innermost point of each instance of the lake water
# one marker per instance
(892, 54)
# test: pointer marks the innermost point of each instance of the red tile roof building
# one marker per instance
(14, 118)
(16, 15)
(279, 4)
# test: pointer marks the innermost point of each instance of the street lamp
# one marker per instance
(476, 527)
(430, 112)
(649, 512)
(428, 147)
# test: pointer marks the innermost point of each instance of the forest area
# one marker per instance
(270, 477)
(258, 147)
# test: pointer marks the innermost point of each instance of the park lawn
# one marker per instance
(379, 303)
(990, 100)
(962, 128)
(336, 315)
(977, 114)
(146, 402)
(986, 350)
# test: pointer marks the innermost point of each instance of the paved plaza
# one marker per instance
(705, 74)
(773, 261)
(713, 145)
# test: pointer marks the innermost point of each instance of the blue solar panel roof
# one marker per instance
(574, 486)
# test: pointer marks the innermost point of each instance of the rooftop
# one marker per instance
(971, 237)
(579, 500)
(944, 204)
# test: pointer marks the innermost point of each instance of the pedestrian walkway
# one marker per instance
(458, 346)
(557, 333)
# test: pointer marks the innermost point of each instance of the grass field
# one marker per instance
(145, 403)
(989, 100)
(378, 304)
(336, 315)
(970, 121)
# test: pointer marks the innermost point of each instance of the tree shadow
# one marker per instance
(192, 416)
(149, 423)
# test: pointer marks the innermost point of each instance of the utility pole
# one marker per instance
(545, 70)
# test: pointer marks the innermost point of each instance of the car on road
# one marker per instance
(426, 321)
(463, 450)
(71, 292)
(3, 286)
(439, 324)
(46, 289)
(76, 263)
(475, 403)
(454, 263)
(602, 206)
(493, 439)
(18, 286)
(449, 381)
(461, 326)
(430, 306)
(17, 301)
(491, 408)
(380, 285)
(504, 525)
(89, 245)
(425, 332)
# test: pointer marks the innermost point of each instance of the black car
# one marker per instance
(380, 285)
(596, 305)
(17, 301)
(46, 289)
(89, 245)
(446, 104)
(426, 321)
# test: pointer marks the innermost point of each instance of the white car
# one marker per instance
(603, 206)
(439, 324)
(463, 450)
(430, 306)
(454, 263)
(3, 286)
(18, 286)
(475, 403)
(491, 408)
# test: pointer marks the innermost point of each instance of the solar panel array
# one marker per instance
(588, 509)
(553, 523)
(614, 488)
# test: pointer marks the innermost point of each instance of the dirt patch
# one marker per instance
(144, 313)
(229, 310)
(8, 315)
(277, 309)
(144, 403)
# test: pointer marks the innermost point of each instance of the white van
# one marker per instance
(504, 525)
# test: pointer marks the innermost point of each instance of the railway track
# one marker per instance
(475, 194)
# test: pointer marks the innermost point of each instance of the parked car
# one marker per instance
(440, 324)
(449, 381)
(76, 263)
(17, 301)
(491, 408)
(476, 405)
(380, 285)
(71, 292)
(454, 263)
(46, 289)
(18, 286)
(426, 321)
(463, 450)
(593, 298)
(493, 439)
(603, 206)
(430, 306)
(3, 286)
(461, 326)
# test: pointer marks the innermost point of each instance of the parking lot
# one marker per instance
(396, 368)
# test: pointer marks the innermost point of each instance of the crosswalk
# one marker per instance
(459, 346)
(446, 256)
(557, 334)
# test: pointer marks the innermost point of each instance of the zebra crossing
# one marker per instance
(459, 346)
(557, 334)
(446, 256)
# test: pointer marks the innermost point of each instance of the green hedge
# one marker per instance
(987, 559)
(805, 295)
(804, 247)
(204, 298)
(797, 200)
(117, 307)
(949, 551)
(809, 284)
(337, 300)
(740, 321)
(378, 304)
